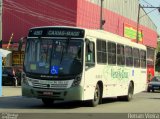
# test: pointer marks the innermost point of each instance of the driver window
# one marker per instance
(90, 55)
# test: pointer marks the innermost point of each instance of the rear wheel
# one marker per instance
(130, 92)
(47, 101)
(97, 96)
(129, 96)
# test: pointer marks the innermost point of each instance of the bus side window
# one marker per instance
(90, 54)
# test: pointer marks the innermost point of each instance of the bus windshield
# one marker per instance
(54, 56)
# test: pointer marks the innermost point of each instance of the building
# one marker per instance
(120, 16)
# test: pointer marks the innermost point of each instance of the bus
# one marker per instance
(77, 64)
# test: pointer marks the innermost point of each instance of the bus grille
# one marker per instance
(49, 84)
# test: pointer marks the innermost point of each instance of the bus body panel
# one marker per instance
(103, 72)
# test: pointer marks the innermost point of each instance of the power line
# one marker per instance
(25, 9)
(36, 14)
(147, 3)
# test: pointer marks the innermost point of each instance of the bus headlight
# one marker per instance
(76, 81)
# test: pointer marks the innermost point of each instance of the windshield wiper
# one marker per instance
(62, 55)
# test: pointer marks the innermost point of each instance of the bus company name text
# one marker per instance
(119, 73)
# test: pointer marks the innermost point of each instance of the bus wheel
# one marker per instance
(129, 96)
(97, 96)
(47, 101)
(148, 89)
(130, 92)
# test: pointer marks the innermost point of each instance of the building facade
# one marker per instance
(120, 16)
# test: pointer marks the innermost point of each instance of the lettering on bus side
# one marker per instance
(119, 74)
(116, 73)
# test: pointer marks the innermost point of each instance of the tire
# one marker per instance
(152, 90)
(47, 101)
(148, 89)
(130, 92)
(97, 97)
(129, 96)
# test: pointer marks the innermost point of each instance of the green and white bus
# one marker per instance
(77, 64)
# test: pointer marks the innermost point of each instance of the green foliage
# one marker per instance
(158, 46)
(158, 57)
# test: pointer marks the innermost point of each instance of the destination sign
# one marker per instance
(56, 32)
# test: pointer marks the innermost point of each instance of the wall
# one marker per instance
(128, 9)
(0, 23)
(88, 15)
(20, 15)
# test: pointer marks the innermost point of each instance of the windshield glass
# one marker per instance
(54, 56)
(156, 79)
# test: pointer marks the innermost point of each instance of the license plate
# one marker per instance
(53, 82)
(48, 93)
(45, 82)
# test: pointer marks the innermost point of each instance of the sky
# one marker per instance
(154, 13)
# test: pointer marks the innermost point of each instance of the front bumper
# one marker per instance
(68, 94)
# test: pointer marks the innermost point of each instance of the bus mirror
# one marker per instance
(90, 47)
(87, 41)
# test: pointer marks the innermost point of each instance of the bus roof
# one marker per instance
(104, 35)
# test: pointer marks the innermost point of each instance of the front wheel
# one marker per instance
(97, 96)
(148, 89)
(47, 101)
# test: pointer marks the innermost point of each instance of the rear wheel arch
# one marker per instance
(130, 92)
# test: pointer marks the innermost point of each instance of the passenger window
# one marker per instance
(101, 51)
(129, 56)
(111, 53)
(136, 57)
(120, 55)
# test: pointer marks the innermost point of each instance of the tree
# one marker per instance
(157, 64)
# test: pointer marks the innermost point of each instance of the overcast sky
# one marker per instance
(154, 15)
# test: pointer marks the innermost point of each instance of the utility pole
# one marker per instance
(137, 34)
(102, 22)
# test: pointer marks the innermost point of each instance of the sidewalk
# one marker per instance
(11, 91)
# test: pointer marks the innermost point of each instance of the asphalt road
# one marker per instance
(142, 103)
